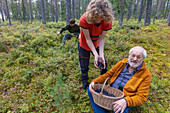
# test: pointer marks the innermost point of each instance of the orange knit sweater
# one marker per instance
(136, 89)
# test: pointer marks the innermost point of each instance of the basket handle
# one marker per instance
(101, 93)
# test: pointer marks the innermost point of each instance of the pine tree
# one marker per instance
(56, 11)
(148, 12)
(8, 15)
(30, 4)
(140, 11)
(68, 11)
(122, 12)
(73, 13)
(43, 12)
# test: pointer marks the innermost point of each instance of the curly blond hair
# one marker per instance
(99, 8)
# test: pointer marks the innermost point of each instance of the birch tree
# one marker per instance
(1, 12)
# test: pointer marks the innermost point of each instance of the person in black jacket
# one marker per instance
(73, 28)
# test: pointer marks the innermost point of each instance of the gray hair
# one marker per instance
(141, 48)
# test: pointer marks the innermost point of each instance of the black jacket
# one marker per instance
(71, 29)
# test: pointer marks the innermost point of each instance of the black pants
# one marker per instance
(84, 57)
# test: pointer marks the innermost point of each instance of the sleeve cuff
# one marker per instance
(106, 29)
(126, 102)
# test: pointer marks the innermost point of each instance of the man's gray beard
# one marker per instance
(134, 66)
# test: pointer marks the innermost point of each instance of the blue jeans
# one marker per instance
(98, 109)
(68, 36)
(84, 57)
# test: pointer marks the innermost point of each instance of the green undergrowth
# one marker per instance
(38, 74)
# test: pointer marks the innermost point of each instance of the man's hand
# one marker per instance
(119, 105)
(58, 33)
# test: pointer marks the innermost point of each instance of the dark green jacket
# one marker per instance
(74, 29)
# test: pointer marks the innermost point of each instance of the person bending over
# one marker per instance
(94, 23)
(73, 28)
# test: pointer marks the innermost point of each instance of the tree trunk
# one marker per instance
(61, 9)
(4, 10)
(73, 13)
(169, 19)
(82, 7)
(19, 11)
(68, 11)
(148, 13)
(47, 12)
(56, 11)
(136, 9)
(76, 12)
(166, 12)
(1, 12)
(163, 8)
(52, 10)
(140, 11)
(86, 4)
(159, 10)
(78, 9)
(6, 4)
(122, 12)
(23, 10)
(43, 12)
(129, 12)
(38, 10)
(30, 3)
(26, 11)
(155, 10)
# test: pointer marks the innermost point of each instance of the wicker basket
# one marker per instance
(103, 100)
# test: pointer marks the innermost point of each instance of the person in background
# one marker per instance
(73, 28)
(130, 76)
(94, 23)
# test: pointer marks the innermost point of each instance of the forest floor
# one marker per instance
(38, 74)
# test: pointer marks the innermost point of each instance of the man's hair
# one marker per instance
(141, 48)
(72, 21)
(99, 8)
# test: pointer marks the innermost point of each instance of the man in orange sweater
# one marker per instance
(129, 75)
